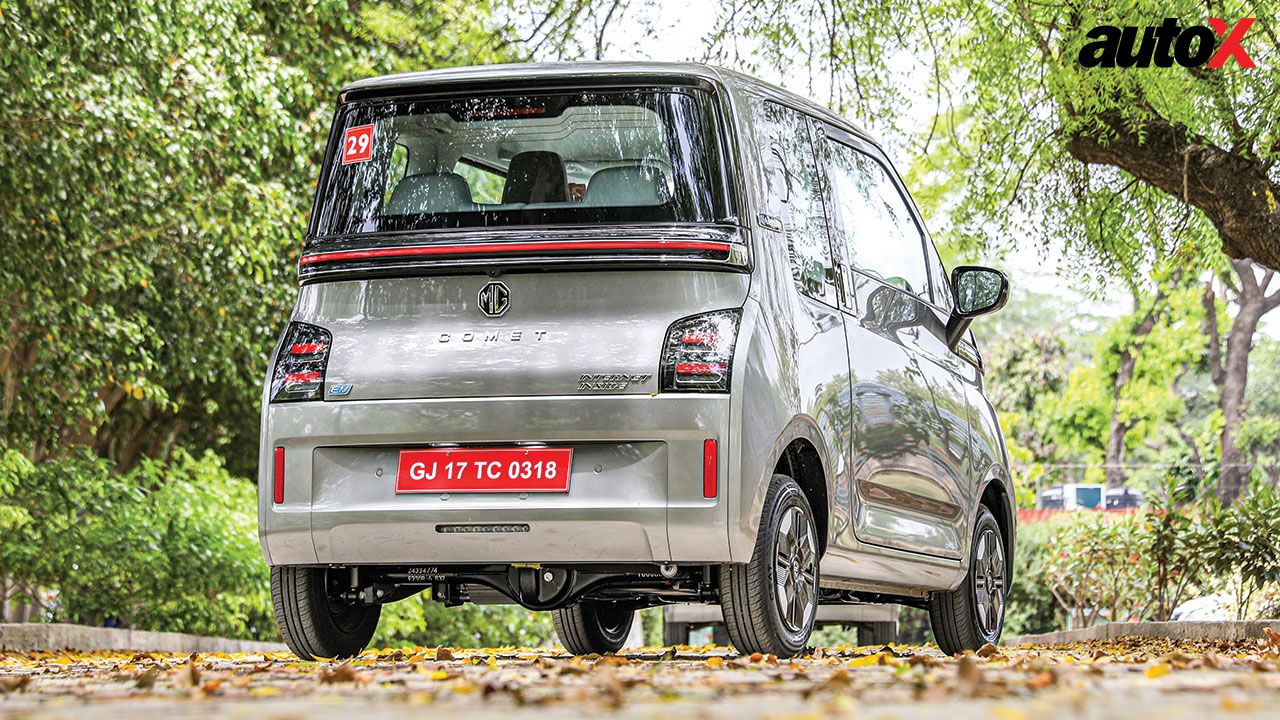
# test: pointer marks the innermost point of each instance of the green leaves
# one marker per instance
(170, 545)
(159, 168)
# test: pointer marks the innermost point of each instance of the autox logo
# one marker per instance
(1166, 44)
(494, 299)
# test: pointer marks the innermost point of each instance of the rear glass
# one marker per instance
(564, 158)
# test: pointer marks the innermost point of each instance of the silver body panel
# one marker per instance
(907, 441)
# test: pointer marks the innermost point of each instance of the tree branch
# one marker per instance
(1233, 191)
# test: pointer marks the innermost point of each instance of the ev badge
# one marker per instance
(494, 299)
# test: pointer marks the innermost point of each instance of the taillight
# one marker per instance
(698, 353)
(299, 373)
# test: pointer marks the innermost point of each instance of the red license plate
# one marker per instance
(484, 470)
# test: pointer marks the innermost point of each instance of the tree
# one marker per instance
(1124, 168)
(1248, 288)
(157, 181)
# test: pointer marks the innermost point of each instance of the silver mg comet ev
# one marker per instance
(592, 338)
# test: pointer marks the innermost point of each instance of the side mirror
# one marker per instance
(978, 291)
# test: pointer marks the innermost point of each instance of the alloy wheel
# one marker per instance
(989, 585)
(795, 569)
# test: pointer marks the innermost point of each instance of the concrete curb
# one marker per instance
(1184, 630)
(22, 637)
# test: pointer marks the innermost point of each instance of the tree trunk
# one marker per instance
(1231, 373)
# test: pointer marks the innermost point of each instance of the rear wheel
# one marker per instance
(973, 614)
(593, 627)
(769, 603)
(316, 623)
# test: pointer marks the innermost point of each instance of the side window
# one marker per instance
(795, 197)
(941, 283)
(881, 236)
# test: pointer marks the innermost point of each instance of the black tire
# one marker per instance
(972, 615)
(315, 624)
(749, 593)
(593, 627)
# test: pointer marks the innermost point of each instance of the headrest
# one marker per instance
(535, 176)
(627, 185)
(430, 193)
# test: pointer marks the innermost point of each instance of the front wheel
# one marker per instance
(769, 603)
(593, 627)
(972, 615)
(317, 624)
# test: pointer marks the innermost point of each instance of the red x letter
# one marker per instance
(1230, 47)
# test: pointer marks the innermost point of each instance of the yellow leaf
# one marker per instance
(865, 661)
(715, 662)
(137, 393)
(144, 282)
(267, 691)
(1159, 670)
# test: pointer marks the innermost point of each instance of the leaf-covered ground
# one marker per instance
(1121, 679)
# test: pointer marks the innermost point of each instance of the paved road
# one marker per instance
(1114, 679)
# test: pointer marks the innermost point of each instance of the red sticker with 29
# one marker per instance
(357, 144)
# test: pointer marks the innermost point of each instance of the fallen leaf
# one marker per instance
(14, 684)
(147, 679)
(1042, 680)
(1159, 670)
(443, 653)
(344, 673)
(609, 688)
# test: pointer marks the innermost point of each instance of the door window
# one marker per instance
(881, 237)
(795, 197)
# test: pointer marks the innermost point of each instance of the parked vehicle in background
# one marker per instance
(1123, 498)
(599, 337)
(1088, 496)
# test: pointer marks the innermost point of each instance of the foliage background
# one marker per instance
(159, 168)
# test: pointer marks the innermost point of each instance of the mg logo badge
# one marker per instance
(494, 299)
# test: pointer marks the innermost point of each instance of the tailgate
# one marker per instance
(558, 333)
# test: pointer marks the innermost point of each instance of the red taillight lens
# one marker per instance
(277, 478)
(710, 468)
(300, 368)
(307, 348)
(698, 353)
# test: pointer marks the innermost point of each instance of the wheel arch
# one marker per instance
(801, 462)
(997, 496)
(801, 453)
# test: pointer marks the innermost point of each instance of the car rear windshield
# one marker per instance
(566, 158)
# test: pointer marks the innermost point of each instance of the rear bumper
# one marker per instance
(635, 493)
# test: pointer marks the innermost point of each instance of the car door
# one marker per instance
(814, 340)
(910, 445)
